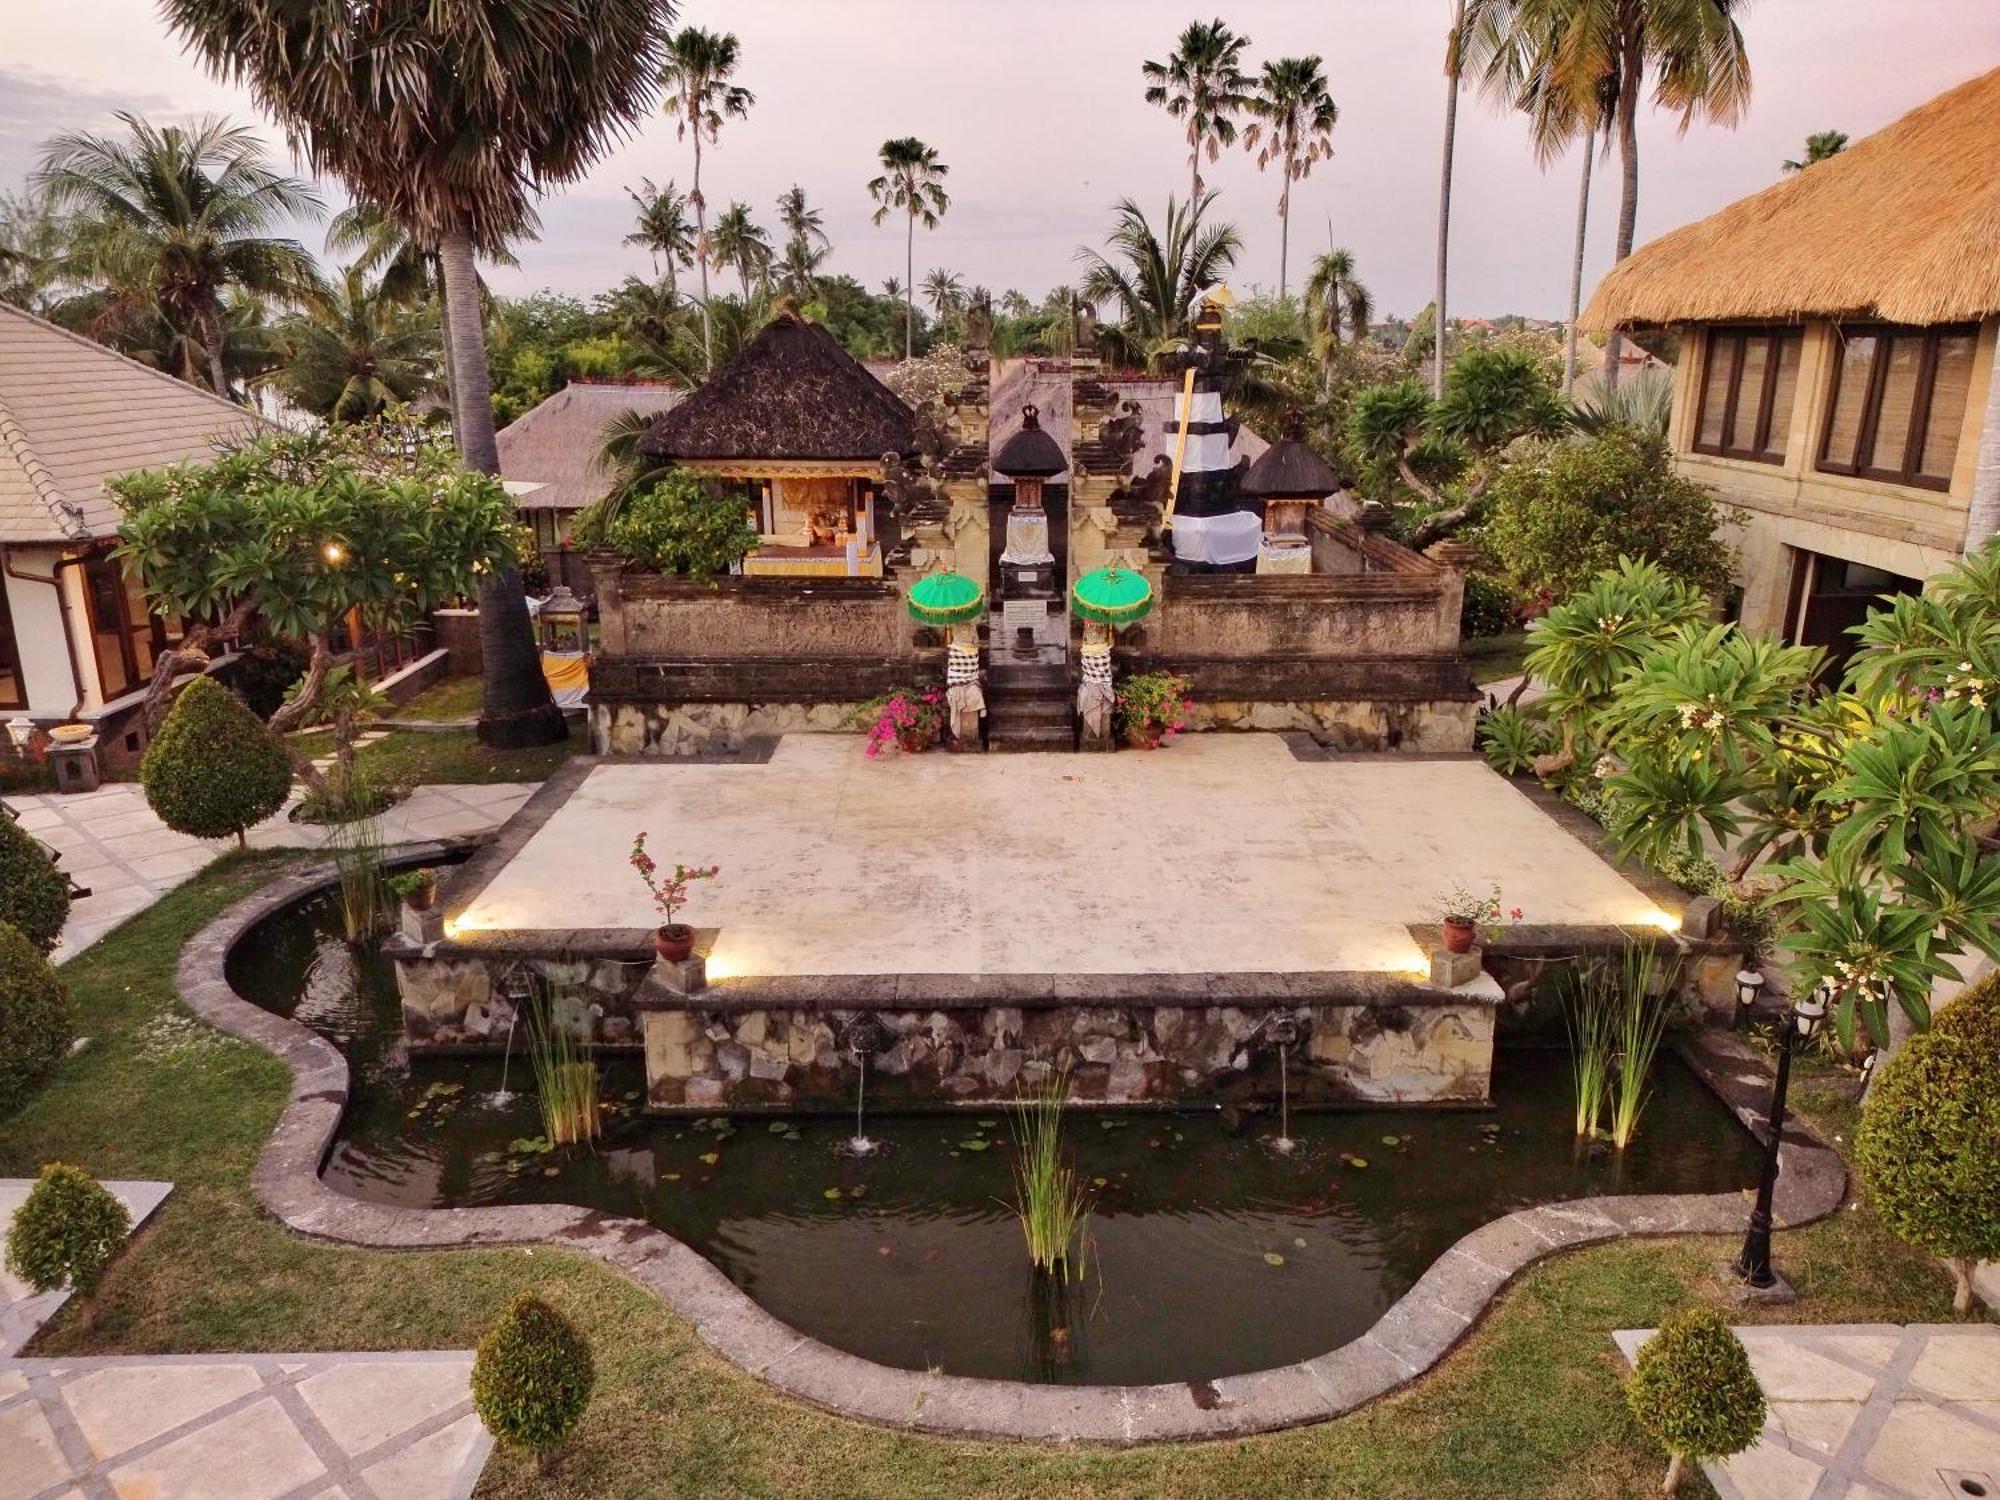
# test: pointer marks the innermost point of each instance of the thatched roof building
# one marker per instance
(553, 446)
(792, 393)
(1903, 226)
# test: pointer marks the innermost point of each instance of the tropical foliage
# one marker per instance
(1203, 85)
(1153, 277)
(912, 183)
(355, 350)
(679, 525)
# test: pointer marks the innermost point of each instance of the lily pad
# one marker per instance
(1299, 1240)
(973, 1143)
(1100, 1182)
(671, 1176)
(1272, 1258)
(832, 1195)
(779, 1127)
(1392, 1140)
(989, 1124)
(711, 1157)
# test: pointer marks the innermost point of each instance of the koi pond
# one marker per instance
(1210, 1252)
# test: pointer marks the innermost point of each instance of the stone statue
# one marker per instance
(1083, 326)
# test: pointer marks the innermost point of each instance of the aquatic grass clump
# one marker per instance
(565, 1077)
(1050, 1200)
(1588, 1018)
(367, 903)
(1616, 1015)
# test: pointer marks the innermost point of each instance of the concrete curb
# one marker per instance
(1409, 1339)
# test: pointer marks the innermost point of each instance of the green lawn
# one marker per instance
(453, 698)
(1530, 1405)
(1493, 658)
(408, 758)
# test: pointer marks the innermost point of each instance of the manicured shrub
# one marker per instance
(213, 769)
(1929, 1143)
(532, 1377)
(36, 1024)
(1693, 1391)
(34, 897)
(678, 525)
(67, 1231)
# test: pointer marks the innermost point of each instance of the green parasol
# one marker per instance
(1112, 596)
(945, 599)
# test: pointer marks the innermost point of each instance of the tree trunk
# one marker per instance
(1284, 228)
(701, 256)
(518, 709)
(1982, 521)
(909, 282)
(1632, 64)
(189, 655)
(1961, 1271)
(1576, 265)
(1194, 189)
(444, 338)
(211, 335)
(1673, 1479)
(305, 696)
(1444, 195)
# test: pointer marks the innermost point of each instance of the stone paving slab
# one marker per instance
(241, 1427)
(23, 1311)
(1871, 1410)
(112, 842)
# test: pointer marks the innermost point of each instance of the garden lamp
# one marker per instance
(20, 731)
(1754, 1264)
(1749, 985)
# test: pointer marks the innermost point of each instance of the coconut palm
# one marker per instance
(1292, 125)
(1694, 50)
(1819, 146)
(912, 180)
(663, 232)
(1202, 83)
(177, 217)
(739, 243)
(945, 291)
(1335, 300)
(1154, 277)
(354, 350)
(800, 220)
(450, 118)
(696, 76)
(798, 270)
(34, 242)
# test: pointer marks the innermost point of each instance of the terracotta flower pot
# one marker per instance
(1459, 936)
(423, 898)
(912, 741)
(673, 942)
(1143, 739)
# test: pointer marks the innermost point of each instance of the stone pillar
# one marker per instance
(1457, 559)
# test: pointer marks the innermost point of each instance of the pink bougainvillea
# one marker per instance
(669, 892)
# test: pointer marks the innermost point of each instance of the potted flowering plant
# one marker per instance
(418, 888)
(1150, 707)
(672, 940)
(1462, 914)
(908, 720)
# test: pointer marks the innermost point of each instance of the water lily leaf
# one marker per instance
(711, 1157)
(973, 1144)
(1392, 1140)
(832, 1194)
(779, 1127)
(989, 1124)
(671, 1176)
(858, 1192)
(552, 1171)
(1272, 1258)
(1100, 1181)
(1299, 1240)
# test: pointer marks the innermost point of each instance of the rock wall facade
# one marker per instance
(688, 728)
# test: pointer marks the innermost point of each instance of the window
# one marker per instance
(124, 637)
(1749, 380)
(1829, 597)
(13, 687)
(1898, 403)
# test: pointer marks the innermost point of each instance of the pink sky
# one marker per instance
(1037, 105)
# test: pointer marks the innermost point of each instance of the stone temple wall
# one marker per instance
(1427, 1053)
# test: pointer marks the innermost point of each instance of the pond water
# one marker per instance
(1210, 1253)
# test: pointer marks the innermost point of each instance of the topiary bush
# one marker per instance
(532, 1377)
(36, 1024)
(213, 769)
(1929, 1142)
(678, 525)
(67, 1231)
(34, 897)
(1693, 1391)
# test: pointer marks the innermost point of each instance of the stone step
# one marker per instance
(1031, 737)
(1028, 710)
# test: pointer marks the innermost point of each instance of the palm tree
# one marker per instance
(354, 350)
(1453, 49)
(1510, 45)
(945, 291)
(696, 75)
(1015, 304)
(739, 243)
(450, 118)
(798, 270)
(34, 243)
(1154, 278)
(1202, 82)
(800, 221)
(892, 288)
(1335, 299)
(1695, 51)
(913, 180)
(663, 230)
(177, 217)
(1819, 146)
(1294, 122)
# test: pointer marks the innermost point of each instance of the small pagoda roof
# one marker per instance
(1030, 453)
(792, 393)
(1290, 470)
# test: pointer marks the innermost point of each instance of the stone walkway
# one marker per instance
(23, 1311)
(1868, 1412)
(111, 842)
(241, 1427)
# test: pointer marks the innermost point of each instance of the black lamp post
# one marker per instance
(1754, 1264)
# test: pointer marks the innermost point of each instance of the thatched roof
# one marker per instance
(553, 445)
(791, 393)
(1290, 470)
(1030, 453)
(1904, 225)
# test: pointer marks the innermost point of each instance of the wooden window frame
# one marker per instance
(1917, 438)
(125, 628)
(10, 653)
(1738, 336)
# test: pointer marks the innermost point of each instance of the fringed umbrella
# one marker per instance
(946, 599)
(1112, 596)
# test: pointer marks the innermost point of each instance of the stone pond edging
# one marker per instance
(1407, 1340)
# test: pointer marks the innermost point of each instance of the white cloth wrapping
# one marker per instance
(1233, 537)
(1095, 693)
(1027, 538)
(1280, 556)
(962, 694)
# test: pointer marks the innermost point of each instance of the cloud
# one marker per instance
(35, 106)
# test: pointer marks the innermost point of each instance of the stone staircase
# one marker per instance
(1028, 706)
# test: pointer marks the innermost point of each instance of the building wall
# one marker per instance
(38, 629)
(1905, 530)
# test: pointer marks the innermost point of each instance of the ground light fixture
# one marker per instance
(1753, 1266)
(19, 732)
(1749, 985)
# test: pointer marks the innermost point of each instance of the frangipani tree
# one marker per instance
(1865, 800)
